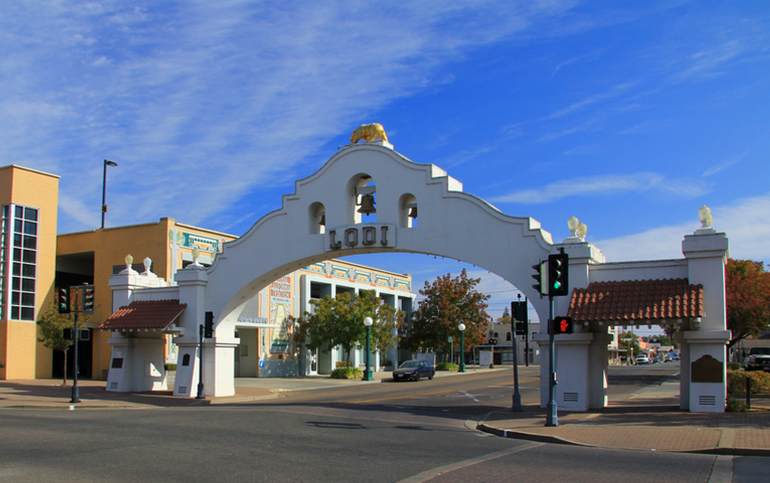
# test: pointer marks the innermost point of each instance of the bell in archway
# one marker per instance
(367, 205)
(413, 212)
(322, 221)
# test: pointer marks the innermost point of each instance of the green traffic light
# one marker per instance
(557, 285)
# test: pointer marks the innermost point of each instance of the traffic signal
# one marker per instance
(520, 315)
(63, 300)
(540, 273)
(88, 298)
(562, 325)
(208, 325)
(558, 274)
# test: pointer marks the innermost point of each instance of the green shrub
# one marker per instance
(170, 367)
(447, 366)
(736, 382)
(734, 366)
(352, 373)
(341, 364)
(736, 406)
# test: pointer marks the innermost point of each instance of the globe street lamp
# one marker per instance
(461, 327)
(368, 372)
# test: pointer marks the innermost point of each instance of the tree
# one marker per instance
(629, 342)
(340, 321)
(52, 325)
(748, 299)
(448, 301)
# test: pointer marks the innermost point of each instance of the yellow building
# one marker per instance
(28, 200)
(93, 256)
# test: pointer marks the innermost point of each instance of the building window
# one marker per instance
(508, 336)
(5, 215)
(21, 223)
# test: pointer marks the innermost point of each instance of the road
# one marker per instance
(378, 432)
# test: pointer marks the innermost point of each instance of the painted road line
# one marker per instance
(441, 470)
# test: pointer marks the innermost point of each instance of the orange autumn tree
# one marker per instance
(748, 299)
(446, 302)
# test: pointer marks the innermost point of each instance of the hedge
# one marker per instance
(353, 373)
(736, 382)
(447, 366)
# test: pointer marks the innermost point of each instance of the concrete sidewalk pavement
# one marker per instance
(648, 419)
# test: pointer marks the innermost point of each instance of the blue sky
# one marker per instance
(628, 116)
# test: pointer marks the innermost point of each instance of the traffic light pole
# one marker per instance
(552, 418)
(75, 369)
(516, 395)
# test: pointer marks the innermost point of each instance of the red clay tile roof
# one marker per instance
(155, 314)
(637, 300)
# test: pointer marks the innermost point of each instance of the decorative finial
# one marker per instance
(147, 264)
(370, 133)
(572, 223)
(129, 260)
(196, 252)
(581, 231)
(706, 219)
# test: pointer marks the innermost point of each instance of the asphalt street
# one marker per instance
(379, 432)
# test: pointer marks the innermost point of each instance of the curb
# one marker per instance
(541, 438)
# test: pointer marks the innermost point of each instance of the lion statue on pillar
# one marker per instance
(369, 133)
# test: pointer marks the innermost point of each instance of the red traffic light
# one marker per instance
(562, 325)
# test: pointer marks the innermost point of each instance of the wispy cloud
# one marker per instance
(600, 185)
(719, 167)
(220, 97)
(708, 61)
(744, 221)
(610, 93)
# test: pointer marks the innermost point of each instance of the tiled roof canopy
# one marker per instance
(155, 314)
(637, 301)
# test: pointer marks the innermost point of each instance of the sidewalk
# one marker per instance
(647, 420)
(49, 393)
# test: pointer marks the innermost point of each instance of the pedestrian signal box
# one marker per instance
(562, 325)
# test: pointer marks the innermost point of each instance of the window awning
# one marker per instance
(637, 301)
(142, 315)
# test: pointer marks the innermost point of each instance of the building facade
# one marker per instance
(28, 201)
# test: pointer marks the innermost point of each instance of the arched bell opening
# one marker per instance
(363, 198)
(317, 218)
(407, 211)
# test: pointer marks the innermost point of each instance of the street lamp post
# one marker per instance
(107, 162)
(461, 327)
(368, 372)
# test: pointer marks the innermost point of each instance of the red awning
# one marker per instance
(637, 301)
(154, 314)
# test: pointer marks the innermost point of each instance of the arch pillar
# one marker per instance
(706, 390)
(218, 352)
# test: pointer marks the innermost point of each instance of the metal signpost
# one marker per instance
(516, 320)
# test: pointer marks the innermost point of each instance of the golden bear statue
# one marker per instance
(369, 133)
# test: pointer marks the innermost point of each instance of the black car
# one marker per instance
(413, 370)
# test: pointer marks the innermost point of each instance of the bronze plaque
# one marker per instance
(706, 369)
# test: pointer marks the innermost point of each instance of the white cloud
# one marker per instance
(744, 221)
(220, 97)
(595, 185)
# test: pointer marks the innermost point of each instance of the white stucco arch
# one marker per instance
(452, 224)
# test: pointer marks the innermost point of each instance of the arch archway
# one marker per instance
(454, 225)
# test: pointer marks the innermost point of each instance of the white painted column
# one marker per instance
(706, 253)
(582, 356)
(192, 283)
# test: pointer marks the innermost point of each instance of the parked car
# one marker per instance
(413, 370)
(671, 357)
(759, 359)
(642, 359)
